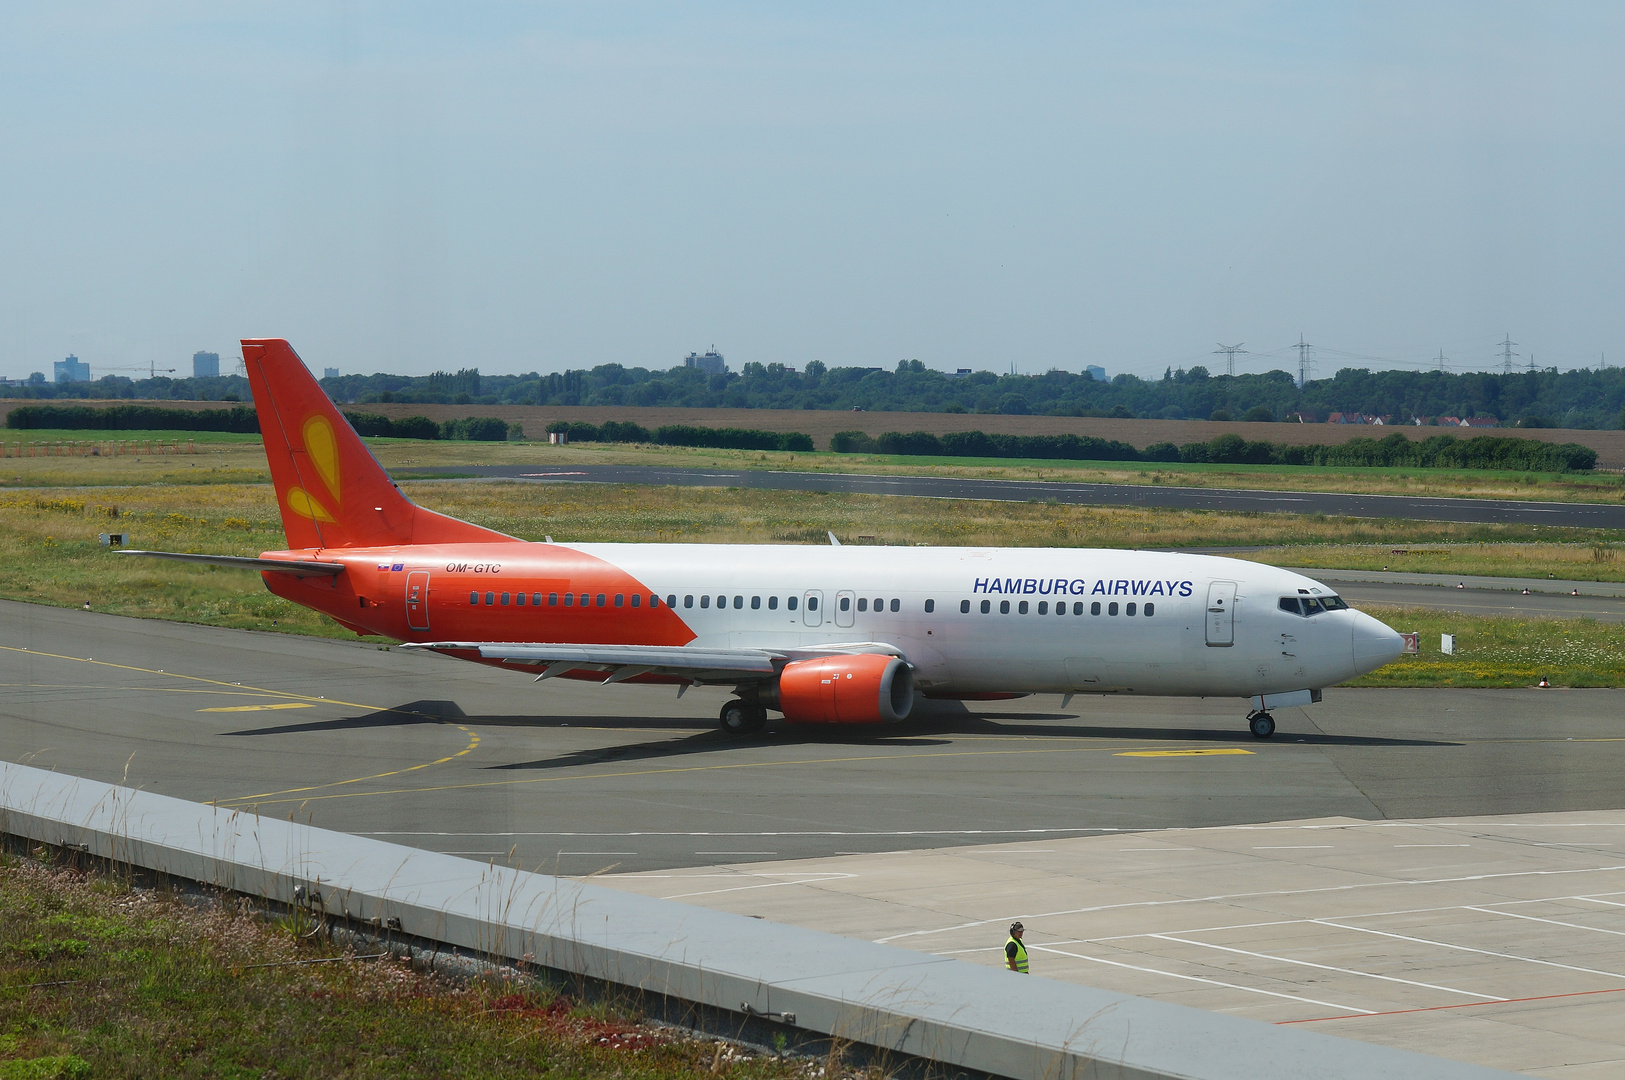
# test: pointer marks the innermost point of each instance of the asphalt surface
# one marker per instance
(1474, 511)
(574, 778)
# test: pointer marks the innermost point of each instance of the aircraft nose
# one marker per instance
(1374, 644)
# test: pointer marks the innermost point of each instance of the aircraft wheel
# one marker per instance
(741, 718)
(1262, 725)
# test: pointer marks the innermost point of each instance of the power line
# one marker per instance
(1230, 352)
(1441, 359)
(1507, 354)
(1304, 361)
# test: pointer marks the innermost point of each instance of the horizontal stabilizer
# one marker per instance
(302, 568)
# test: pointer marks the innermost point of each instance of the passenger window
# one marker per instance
(1043, 607)
(637, 600)
(790, 602)
(620, 600)
(964, 607)
(1129, 610)
(584, 599)
(505, 599)
(1150, 610)
(490, 598)
(722, 601)
(755, 603)
(846, 603)
(535, 599)
(1290, 603)
(600, 599)
(705, 601)
(473, 598)
(772, 603)
(519, 599)
(1111, 609)
(569, 599)
(812, 603)
(1094, 608)
(863, 603)
(671, 601)
(1004, 607)
(880, 605)
(1022, 608)
(896, 604)
(930, 606)
(986, 606)
(688, 601)
(553, 599)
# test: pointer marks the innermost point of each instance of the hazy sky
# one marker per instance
(404, 187)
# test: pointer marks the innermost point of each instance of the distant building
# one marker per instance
(205, 365)
(1450, 421)
(1347, 418)
(1298, 418)
(960, 373)
(1481, 421)
(72, 370)
(330, 372)
(710, 362)
(1096, 372)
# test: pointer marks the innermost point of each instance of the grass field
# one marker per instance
(243, 457)
(48, 543)
(101, 980)
(1501, 652)
(1600, 560)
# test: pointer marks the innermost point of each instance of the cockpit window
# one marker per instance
(1312, 605)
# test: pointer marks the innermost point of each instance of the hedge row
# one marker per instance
(132, 418)
(1397, 450)
(683, 435)
(468, 429)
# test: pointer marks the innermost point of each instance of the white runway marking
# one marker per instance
(1466, 948)
(1324, 967)
(1554, 922)
(1200, 979)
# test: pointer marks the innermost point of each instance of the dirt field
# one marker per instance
(821, 424)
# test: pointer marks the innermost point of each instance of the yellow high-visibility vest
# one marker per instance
(1021, 954)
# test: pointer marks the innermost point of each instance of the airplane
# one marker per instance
(820, 635)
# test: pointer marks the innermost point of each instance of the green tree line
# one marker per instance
(1582, 398)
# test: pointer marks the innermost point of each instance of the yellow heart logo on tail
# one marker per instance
(323, 449)
(306, 507)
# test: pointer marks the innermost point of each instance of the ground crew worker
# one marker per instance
(1015, 953)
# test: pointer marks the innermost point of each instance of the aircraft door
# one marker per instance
(812, 605)
(417, 600)
(846, 602)
(1221, 605)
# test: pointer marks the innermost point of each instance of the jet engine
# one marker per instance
(868, 688)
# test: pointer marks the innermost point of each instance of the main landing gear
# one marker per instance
(1261, 724)
(742, 718)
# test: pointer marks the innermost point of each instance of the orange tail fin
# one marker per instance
(331, 490)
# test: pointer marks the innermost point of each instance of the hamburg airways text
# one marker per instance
(1081, 587)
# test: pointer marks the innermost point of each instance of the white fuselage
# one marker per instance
(995, 623)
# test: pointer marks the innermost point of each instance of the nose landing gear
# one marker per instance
(742, 718)
(1261, 724)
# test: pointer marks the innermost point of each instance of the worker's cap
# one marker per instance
(1016, 926)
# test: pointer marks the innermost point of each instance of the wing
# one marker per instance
(621, 662)
(301, 568)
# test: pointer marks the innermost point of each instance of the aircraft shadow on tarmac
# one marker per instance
(935, 727)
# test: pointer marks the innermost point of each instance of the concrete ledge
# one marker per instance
(946, 1011)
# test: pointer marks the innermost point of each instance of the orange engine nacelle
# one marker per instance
(868, 688)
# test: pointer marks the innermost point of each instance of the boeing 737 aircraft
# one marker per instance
(836, 635)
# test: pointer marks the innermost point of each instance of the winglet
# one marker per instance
(832, 539)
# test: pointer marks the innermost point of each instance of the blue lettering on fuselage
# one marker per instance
(1081, 587)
